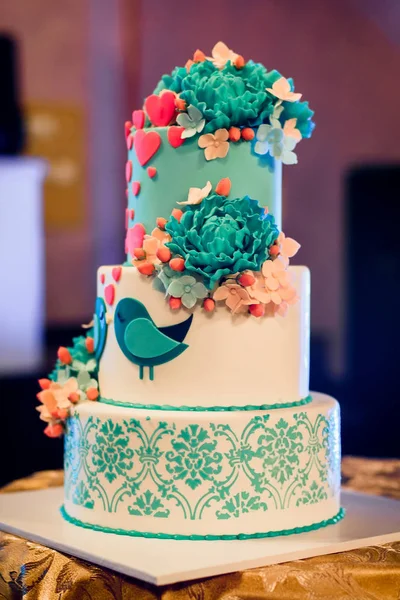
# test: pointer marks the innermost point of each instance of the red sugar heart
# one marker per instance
(136, 188)
(128, 171)
(109, 294)
(174, 136)
(146, 145)
(127, 126)
(129, 141)
(160, 109)
(116, 273)
(102, 278)
(151, 172)
(129, 214)
(138, 117)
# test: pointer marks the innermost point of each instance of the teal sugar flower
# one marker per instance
(188, 289)
(192, 121)
(165, 275)
(221, 237)
(230, 96)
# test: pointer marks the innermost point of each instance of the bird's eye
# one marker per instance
(120, 317)
(101, 315)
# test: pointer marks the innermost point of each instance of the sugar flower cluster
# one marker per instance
(218, 250)
(223, 99)
(74, 379)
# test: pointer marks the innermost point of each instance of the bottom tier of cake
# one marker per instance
(203, 475)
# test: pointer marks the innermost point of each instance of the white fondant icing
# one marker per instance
(219, 473)
(231, 360)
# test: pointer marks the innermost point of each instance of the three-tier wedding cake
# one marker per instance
(186, 406)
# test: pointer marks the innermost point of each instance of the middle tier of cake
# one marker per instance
(232, 362)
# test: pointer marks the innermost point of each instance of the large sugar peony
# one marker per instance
(222, 237)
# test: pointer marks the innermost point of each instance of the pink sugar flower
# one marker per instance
(151, 244)
(237, 298)
(258, 291)
(288, 247)
(277, 281)
(55, 400)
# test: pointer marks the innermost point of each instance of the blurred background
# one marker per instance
(71, 73)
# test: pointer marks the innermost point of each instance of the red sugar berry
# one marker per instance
(257, 310)
(74, 397)
(44, 384)
(234, 134)
(248, 134)
(64, 355)
(164, 254)
(177, 264)
(89, 343)
(161, 222)
(54, 430)
(209, 305)
(146, 268)
(175, 303)
(246, 279)
(177, 213)
(92, 393)
(139, 253)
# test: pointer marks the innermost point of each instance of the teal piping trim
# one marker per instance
(301, 402)
(209, 537)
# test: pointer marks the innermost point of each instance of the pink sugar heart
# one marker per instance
(116, 273)
(128, 171)
(151, 172)
(174, 136)
(134, 238)
(109, 294)
(102, 278)
(129, 142)
(146, 145)
(160, 109)
(136, 188)
(138, 118)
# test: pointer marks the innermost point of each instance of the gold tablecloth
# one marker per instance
(32, 571)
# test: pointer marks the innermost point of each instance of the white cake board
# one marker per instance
(35, 515)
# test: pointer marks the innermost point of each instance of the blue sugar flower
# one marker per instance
(188, 290)
(272, 139)
(192, 120)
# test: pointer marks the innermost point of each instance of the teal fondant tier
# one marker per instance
(179, 169)
(203, 474)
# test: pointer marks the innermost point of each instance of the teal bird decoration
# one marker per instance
(142, 342)
(100, 327)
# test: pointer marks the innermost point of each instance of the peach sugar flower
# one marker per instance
(221, 54)
(236, 297)
(281, 89)
(215, 145)
(151, 244)
(277, 282)
(55, 400)
(287, 246)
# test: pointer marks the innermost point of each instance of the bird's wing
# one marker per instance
(177, 332)
(144, 340)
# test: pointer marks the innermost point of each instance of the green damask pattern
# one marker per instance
(194, 458)
(148, 505)
(153, 468)
(240, 504)
(82, 497)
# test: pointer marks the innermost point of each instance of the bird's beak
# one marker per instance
(88, 325)
(109, 318)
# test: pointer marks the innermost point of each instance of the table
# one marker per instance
(371, 573)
